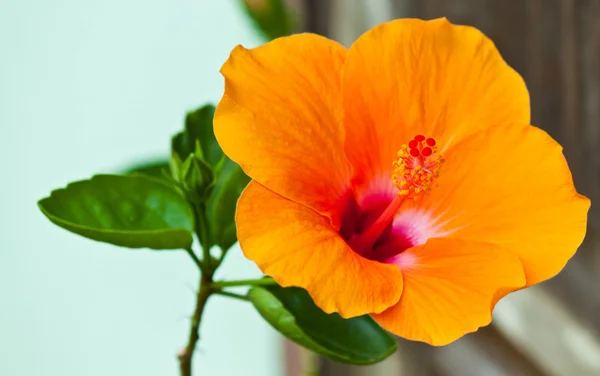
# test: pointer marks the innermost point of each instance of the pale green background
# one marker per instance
(87, 86)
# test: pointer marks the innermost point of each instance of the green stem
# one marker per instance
(232, 295)
(197, 261)
(221, 257)
(245, 282)
(204, 292)
(201, 224)
(185, 356)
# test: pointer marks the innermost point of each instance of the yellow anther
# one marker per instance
(417, 166)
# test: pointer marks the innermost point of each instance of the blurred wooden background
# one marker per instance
(552, 329)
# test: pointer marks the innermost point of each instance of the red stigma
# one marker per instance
(417, 166)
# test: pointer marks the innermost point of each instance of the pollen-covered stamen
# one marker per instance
(414, 172)
(417, 167)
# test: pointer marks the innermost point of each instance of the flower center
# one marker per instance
(415, 171)
(417, 166)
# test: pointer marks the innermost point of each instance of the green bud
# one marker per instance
(196, 178)
(175, 166)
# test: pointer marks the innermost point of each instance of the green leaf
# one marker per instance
(156, 168)
(132, 211)
(291, 311)
(198, 127)
(272, 17)
(231, 181)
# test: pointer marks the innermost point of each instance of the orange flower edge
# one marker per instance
(419, 197)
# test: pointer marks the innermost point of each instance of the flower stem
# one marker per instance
(207, 269)
(194, 257)
(232, 295)
(202, 232)
(246, 282)
(185, 356)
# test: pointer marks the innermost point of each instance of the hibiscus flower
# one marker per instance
(399, 178)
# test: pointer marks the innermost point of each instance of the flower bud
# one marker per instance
(196, 178)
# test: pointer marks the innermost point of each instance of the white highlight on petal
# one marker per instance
(419, 226)
(404, 260)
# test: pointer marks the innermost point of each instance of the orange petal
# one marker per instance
(298, 247)
(280, 119)
(449, 285)
(410, 77)
(511, 186)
